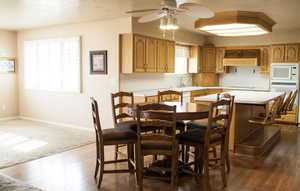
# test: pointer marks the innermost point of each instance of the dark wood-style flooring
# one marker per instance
(73, 171)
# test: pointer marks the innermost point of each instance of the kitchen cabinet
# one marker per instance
(220, 53)
(142, 54)
(265, 60)
(139, 54)
(284, 53)
(195, 59)
(151, 55)
(170, 57)
(209, 60)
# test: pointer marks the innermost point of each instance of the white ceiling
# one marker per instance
(24, 14)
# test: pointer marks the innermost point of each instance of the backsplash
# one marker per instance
(245, 76)
(140, 82)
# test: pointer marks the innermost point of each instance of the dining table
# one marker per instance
(184, 112)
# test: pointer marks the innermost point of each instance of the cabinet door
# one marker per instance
(291, 53)
(278, 53)
(220, 53)
(161, 56)
(151, 54)
(139, 54)
(170, 57)
(209, 59)
(265, 60)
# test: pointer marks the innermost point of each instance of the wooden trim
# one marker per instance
(229, 17)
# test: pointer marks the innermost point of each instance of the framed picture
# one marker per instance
(98, 62)
(7, 65)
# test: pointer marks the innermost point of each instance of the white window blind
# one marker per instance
(52, 64)
(182, 55)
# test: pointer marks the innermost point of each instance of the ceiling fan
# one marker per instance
(171, 10)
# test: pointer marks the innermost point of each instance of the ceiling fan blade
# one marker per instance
(196, 10)
(151, 17)
(141, 11)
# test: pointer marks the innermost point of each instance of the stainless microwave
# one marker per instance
(284, 72)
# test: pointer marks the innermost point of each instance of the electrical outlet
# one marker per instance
(3, 107)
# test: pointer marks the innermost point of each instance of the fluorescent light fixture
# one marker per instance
(236, 23)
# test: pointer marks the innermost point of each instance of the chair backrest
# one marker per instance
(272, 114)
(121, 101)
(287, 100)
(153, 117)
(292, 102)
(221, 96)
(97, 125)
(280, 106)
(162, 94)
(223, 118)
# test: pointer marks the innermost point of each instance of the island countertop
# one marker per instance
(245, 97)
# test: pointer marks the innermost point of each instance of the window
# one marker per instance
(52, 64)
(181, 59)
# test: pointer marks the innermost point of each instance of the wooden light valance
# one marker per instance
(244, 21)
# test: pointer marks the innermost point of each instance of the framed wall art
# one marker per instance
(98, 62)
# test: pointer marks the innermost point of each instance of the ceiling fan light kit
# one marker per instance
(168, 23)
(236, 23)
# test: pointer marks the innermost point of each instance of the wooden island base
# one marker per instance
(253, 150)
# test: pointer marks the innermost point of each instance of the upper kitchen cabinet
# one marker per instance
(195, 59)
(265, 60)
(141, 54)
(208, 64)
(220, 53)
(285, 53)
(170, 57)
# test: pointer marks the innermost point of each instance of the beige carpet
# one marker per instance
(22, 140)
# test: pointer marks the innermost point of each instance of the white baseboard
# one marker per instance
(56, 123)
(8, 118)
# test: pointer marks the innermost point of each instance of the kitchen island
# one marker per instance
(248, 141)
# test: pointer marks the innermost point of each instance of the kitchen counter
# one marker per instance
(246, 97)
(153, 92)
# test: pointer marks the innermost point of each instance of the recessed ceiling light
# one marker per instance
(236, 23)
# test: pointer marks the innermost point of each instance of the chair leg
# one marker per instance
(139, 169)
(214, 151)
(174, 168)
(116, 152)
(223, 159)
(96, 168)
(196, 160)
(187, 150)
(206, 169)
(101, 168)
(227, 160)
(130, 156)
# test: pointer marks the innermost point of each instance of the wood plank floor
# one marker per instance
(73, 171)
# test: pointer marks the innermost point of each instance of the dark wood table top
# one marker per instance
(185, 111)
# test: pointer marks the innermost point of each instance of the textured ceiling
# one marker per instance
(24, 14)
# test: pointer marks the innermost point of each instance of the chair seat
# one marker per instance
(198, 124)
(130, 124)
(118, 135)
(196, 136)
(180, 125)
(260, 121)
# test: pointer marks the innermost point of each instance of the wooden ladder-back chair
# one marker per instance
(112, 136)
(203, 139)
(286, 102)
(292, 102)
(171, 96)
(156, 135)
(121, 101)
(270, 115)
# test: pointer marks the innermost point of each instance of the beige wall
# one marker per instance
(273, 38)
(8, 82)
(75, 108)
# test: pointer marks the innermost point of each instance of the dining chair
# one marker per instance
(111, 136)
(156, 135)
(173, 96)
(121, 101)
(203, 139)
(204, 124)
(286, 103)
